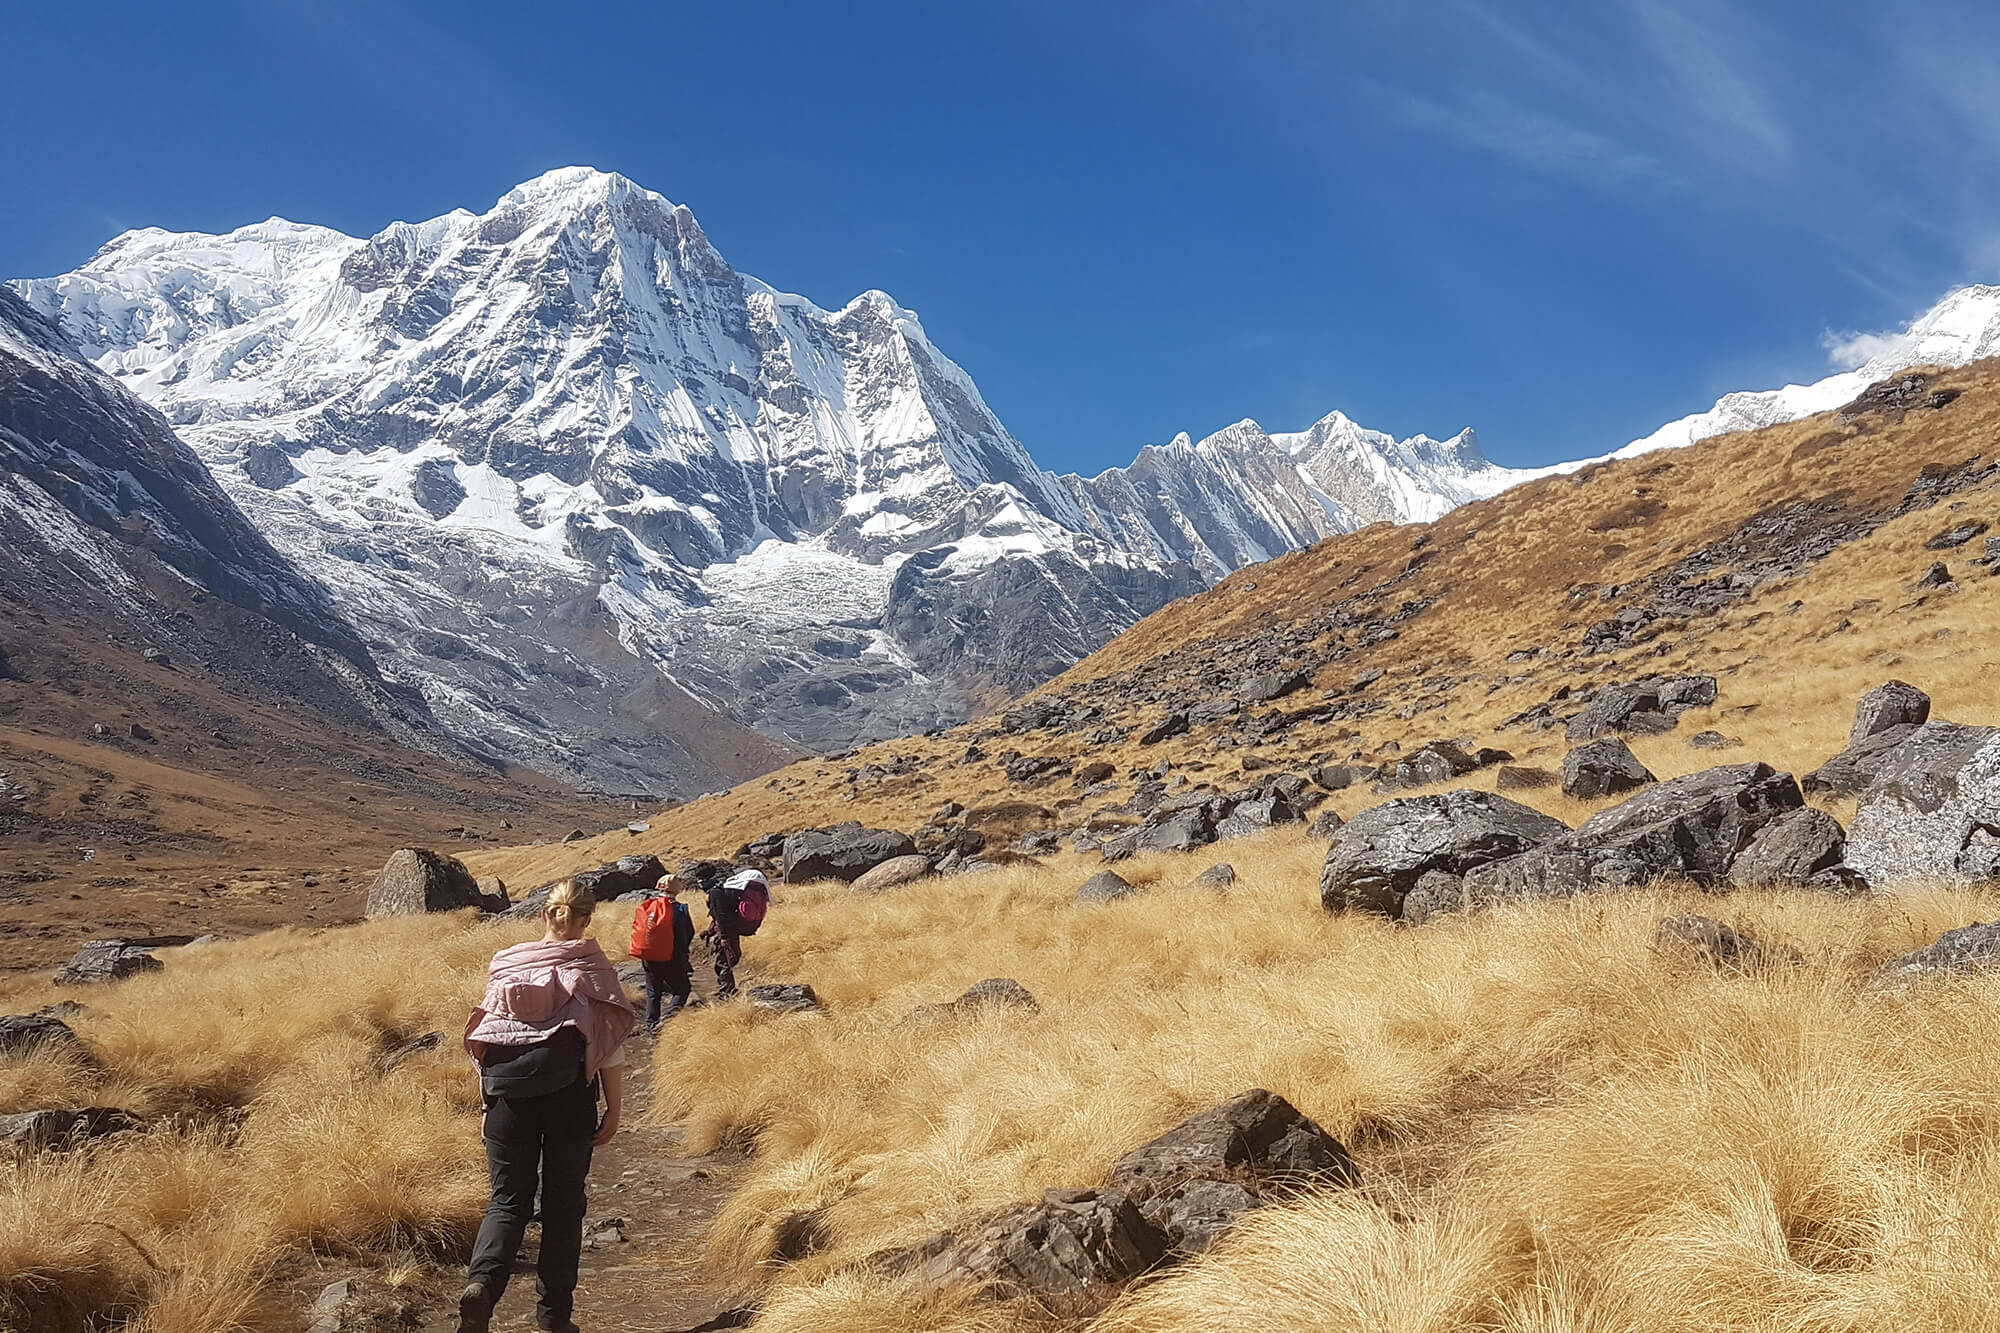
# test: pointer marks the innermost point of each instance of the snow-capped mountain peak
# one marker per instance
(563, 431)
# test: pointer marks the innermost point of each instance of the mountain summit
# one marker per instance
(531, 449)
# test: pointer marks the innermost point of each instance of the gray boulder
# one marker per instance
(844, 852)
(1164, 831)
(1103, 887)
(1894, 704)
(1931, 806)
(1069, 1254)
(417, 880)
(1436, 893)
(1326, 823)
(1378, 856)
(1790, 850)
(1643, 707)
(20, 1033)
(1689, 827)
(100, 961)
(1256, 1132)
(996, 993)
(1193, 1214)
(1173, 724)
(1972, 948)
(1256, 815)
(893, 873)
(784, 997)
(1269, 685)
(1218, 876)
(1604, 767)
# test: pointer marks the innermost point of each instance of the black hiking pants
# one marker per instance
(528, 1140)
(668, 986)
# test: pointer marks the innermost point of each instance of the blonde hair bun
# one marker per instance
(570, 901)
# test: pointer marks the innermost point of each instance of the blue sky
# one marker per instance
(1561, 224)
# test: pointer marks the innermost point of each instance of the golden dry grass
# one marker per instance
(1561, 1130)
(277, 1133)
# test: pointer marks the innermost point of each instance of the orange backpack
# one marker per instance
(653, 931)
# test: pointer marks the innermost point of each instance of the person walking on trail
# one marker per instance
(547, 1038)
(663, 942)
(736, 908)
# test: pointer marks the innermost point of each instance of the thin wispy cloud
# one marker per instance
(1702, 59)
(1489, 121)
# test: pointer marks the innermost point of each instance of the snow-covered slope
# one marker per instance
(567, 421)
(1962, 328)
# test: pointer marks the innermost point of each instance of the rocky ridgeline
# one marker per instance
(1929, 803)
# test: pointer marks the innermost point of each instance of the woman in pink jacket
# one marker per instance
(547, 1038)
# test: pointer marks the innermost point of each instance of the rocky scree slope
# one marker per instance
(1739, 593)
(561, 447)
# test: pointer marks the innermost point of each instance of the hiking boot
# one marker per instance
(543, 1325)
(475, 1308)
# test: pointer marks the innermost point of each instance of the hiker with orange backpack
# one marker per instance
(663, 942)
(736, 907)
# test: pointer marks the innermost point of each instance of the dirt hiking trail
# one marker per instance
(653, 1280)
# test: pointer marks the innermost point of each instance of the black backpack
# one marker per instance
(547, 1066)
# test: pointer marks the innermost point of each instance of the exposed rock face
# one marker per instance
(1378, 856)
(1218, 876)
(27, 1032)
(1605, 767)
(1256, 1131)
(1170, 1198)
(1932, 806)
(1971, 948)
(1105, 886)
(1643, 707)
(1436, 893)
(106, 960)
(844, 852)
(417, 880)
(1790, 850)
(1690, 827)
(1070, 1253)
(784, 998)
(893, 873)
(1894, 704)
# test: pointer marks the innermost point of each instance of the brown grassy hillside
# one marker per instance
(1491, 607)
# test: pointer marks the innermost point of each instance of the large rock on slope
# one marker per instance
(1257, 1132)
(417, 880)
(1378, 856)
(1790, 850)
(1970, 948)
(1690, 827)
(1894, 704)
(1644, 707)
(99, 961)
(1931, 808)
(1070, 1253)
(1604, 767)
(844, 852)
(893, 873)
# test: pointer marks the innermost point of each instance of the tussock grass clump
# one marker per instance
(1560, 1129)
(276, 1133)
